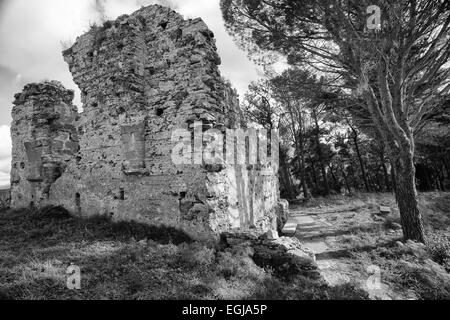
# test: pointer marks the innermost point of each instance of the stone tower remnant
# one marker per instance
(44, 140)
(141, 77)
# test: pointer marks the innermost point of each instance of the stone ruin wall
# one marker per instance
(44, 139)
(141, 77)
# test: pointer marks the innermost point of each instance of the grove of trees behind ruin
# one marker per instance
(363, 103)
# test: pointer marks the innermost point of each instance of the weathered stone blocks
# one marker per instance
(44, 140)
(142, 77)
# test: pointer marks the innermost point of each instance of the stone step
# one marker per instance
(318, 247)
(303, 220)
(302, 223)
(307, 225)
(385, 210)
(304, 231)
(290, 228)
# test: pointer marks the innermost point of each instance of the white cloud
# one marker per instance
(31, 33)
(30, 40)
(4, 180)
(5, 155)
(5, 142)
(235, 64)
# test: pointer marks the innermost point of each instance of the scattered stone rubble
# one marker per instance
(141, 77)
(423, 261)
(285, 255)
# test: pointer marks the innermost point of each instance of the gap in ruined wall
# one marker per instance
(121, 195)
(133, 146)
(163, 25)
(159, 112)
(78, 203)
(34, 155)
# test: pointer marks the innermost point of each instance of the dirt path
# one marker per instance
(333, 233)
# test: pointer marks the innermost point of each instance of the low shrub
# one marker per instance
(196, 255)
(438, 245)
(427, 284)
(51, 213)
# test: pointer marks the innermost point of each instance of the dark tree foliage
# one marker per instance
(399, 71)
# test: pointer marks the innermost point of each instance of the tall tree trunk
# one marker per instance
(361, 162)
(390, 116)
(377, 183)
(301, 164)
(306, 192)
(355, 181)
(441, 176)
(301, 141)
(286, 178)
(325, 178)
(336, 181)
(320, 155)
(299, 145)
(434, 176)
(301, 151)
(313, 167)
(406, 195)
(446, 166)
(386, 176)
(346, 181)
(394, 178)
(441, 181)
(444, 187)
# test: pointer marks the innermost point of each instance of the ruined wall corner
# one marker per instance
(44, 140)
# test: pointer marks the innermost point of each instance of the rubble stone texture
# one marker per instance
(142, 77)
(44, 140)
(5, 199)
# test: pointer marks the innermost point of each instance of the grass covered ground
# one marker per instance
(132, 261)
(354, 237)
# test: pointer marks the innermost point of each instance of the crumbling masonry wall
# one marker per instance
(142, 77)
(44, 140)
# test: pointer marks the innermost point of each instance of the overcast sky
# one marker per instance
(32, 33)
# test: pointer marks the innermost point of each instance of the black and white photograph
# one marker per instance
(222, 155)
